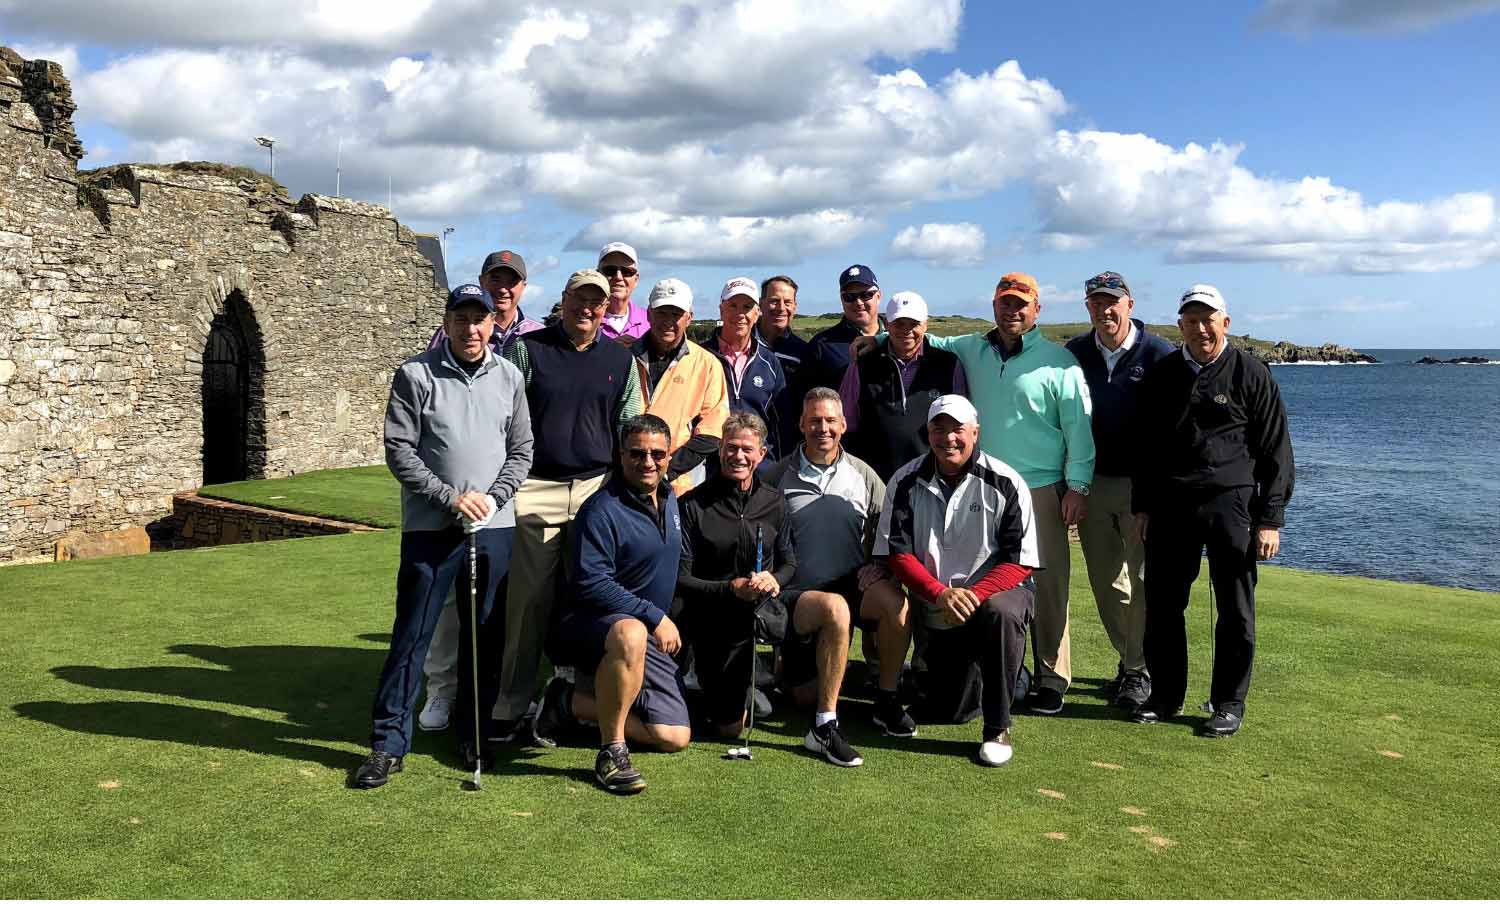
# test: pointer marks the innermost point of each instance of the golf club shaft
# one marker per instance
(474, 645)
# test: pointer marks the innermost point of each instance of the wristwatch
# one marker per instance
(1081, 489)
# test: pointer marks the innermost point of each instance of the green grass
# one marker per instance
(181, 725)
(367, 495)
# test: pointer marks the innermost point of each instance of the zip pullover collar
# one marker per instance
(1028, 339)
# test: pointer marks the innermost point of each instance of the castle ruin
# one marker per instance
(163, 327)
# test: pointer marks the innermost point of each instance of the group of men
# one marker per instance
(631, 503)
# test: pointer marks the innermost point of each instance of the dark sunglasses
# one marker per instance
(1104, 282)
(639, 455)
(612, 271)
(852, 297)
(1011, 285)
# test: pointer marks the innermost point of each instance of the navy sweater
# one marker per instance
(1116, 396)
(625, 553)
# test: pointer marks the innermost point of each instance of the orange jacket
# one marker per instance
(691, 397)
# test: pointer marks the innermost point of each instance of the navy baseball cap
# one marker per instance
(468, 293)
(858, 273)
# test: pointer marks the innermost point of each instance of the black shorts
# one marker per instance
(663, 698)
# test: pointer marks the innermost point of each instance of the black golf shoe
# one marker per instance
(1133, 692)
(892, 718)
(1045, 701)
(615, 773)
(555, 714)
(828, 740)
(1221, 724)
(376, 770)
(1150, 713)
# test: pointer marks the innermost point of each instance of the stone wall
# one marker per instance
(198, 521)
(110, 285)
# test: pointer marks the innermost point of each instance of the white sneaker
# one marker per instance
(997, 751)
(435, 715)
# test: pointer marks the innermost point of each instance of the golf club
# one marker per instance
(743, 753)
(1208, 705)
(474, 784)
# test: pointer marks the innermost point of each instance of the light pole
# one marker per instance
(447, 231)
(267, 141)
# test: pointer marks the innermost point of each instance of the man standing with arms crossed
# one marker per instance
(458, 440)
(1214, 469)
(579, 391)
(1115, 355)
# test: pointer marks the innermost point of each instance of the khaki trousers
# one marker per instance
(1052, 657)
(1117, 567)
(544, 513)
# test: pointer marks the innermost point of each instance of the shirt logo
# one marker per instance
(974, 507)
(758, 382)
(678, 380)
(1221, 399)
(1136, 373)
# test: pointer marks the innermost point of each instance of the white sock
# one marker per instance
(822, 719)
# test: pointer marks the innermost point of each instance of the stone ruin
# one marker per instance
(163, 327)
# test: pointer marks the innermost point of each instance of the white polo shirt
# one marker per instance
(834, 511)
(958, 536)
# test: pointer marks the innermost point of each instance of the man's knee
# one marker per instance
(827, 608)
(1009, 608)
(883, 601)
(670, 738)
(627, 640)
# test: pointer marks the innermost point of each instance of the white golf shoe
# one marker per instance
(997, 751)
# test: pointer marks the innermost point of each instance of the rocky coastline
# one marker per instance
(1465, 359)
(1288, 353)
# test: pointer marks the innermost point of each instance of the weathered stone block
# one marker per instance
(131, 541)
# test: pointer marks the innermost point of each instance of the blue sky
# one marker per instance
(940, 143)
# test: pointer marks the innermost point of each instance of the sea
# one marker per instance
(1398, 468)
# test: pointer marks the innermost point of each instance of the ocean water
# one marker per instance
(1398, 468)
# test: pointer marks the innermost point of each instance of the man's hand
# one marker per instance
(1075, 507)
(862, 345)
(742, 589)
(764, 583)
(957, 604)
(666, 637)
(1267, 543)
(1142, 520)
(474, 506)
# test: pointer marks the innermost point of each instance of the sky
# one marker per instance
(1328, 164)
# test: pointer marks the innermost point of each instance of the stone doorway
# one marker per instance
(233, 395)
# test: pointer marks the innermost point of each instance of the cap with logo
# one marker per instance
(468, 293)
(1021, 285)
(618, 248)
(505, 260)
(858, 274)
(671, 293)
(906, 306)
(1205, 294)
(956, 407)
(587, 277)
(1108, 283)
(741, 285)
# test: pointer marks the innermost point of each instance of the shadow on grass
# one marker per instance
(324, 693)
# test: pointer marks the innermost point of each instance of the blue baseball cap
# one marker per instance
(468, 293)
(858, 273)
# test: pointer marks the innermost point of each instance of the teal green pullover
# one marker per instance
(1034, 409)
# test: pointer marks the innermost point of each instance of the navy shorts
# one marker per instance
(663, 698)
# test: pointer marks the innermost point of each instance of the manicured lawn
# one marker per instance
(367, 495)
(182, 724)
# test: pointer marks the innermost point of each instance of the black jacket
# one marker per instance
(1114, 395)
(718, 543)
(1221, 428)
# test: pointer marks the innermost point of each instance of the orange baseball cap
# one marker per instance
(1021, 285)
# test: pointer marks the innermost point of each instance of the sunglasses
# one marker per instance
(640, 455)
(852, 297)
(1104, 282)
(1012, 285)
(612, 271)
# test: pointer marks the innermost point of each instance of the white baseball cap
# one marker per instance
(956, 407)
(618, 247)
(908, 305)
(671, 293)
(1202, 293)
(741, 285)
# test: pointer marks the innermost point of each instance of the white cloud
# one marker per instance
(724, 241)
(64, 55)
(1368, 15)
(1349, 307)
(941, 244)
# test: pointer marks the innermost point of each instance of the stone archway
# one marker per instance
(233, 392)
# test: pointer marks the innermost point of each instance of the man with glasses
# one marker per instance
(859, 292)
(623, 320)
(614, 627)
(1115, 355)
(579, 391)
(503, 276)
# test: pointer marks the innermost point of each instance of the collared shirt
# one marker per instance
(633, 323)
(850, 387)
(500, 339)
(1193, 362)
(738, 360)
(834, 510)
(1111, 358)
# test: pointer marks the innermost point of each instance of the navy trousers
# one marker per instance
(431, 563)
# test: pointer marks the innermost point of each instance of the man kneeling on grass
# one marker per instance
(613, 625)
(458, 439)
(957, 526)
(738, 548)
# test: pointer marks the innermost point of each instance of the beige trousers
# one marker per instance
(544, 513)
(1117, 566)
(1051, 654)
